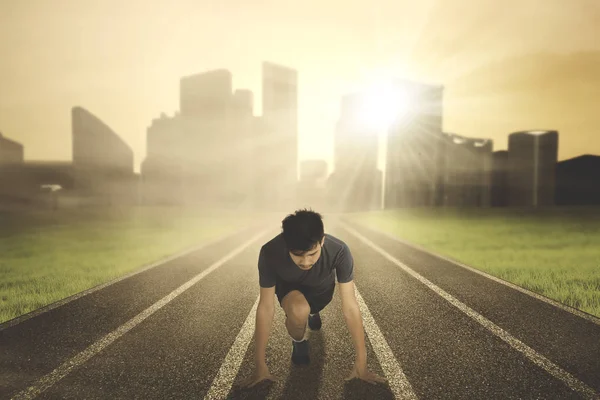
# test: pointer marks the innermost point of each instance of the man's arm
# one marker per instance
(353, 319)
(264, 319)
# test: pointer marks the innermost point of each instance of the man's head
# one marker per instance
(304, 235)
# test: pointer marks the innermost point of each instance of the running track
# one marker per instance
(183, 330)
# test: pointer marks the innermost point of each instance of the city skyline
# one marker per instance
(129, 85)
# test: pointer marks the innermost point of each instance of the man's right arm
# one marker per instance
(264, 319)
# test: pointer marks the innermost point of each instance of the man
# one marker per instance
(300, 266)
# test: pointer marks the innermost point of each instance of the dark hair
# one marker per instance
(302, 230)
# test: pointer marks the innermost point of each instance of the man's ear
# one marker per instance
(323, 241)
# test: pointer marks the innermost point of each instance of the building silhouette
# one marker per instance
(101, 171)
(355, 183)
(532, 158)
(466, 172)
(96, 146)
(27, 183)
(205, 154)
(11, 161)
(10, 151)
(578, 181)
(278, 149)
(414, 143)
(161, 170)
(102, 161)
(499, 195)
(206, 95)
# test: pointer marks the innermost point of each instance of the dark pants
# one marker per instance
(316, 301)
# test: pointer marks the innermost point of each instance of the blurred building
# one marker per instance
(532, 158)
(499, 197)
(414, 146)
(101, 171)
(215, 151)
(356, 182)
(11, 161)
(102, 161)
(26, 183)
(466, 171)
(97, 146)
(578, 181)
(161, 170)
(207, 94)
(263, 191)
(10, 151)
(279, 136)
(203, 155)
(243, 102)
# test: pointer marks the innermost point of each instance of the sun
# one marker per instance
(383, 105)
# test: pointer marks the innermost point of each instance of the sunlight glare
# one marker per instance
(383, 105)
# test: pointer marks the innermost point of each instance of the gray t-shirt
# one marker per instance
(275, 265)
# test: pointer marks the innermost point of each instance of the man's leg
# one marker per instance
(318, 303)
(296, 310)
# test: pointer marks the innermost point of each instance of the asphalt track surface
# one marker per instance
(435, 330)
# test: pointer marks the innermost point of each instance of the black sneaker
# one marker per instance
(300, 352)
(314, 322)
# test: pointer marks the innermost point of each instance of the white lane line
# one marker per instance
(397, 381)
(574, 311)
(547, 365)
(69, 299)
(53, 377)
(222, 383)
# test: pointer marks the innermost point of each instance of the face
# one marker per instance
(306, 260)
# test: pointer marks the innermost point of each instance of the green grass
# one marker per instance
(554, 252)
(47, 256)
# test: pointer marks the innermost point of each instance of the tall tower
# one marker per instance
(467, 171)
(207, 94)
(10, 151)
(414, 144)
(356, 182)
(532, 159)
(280, 117)
(499, 197)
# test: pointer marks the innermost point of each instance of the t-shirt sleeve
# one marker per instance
(344, 265)
(266, 277)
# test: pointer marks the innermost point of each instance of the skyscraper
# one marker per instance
(500, 178)
(532, 158)
(356, 182)
(97, 146)
(414, 144)
(203, 154)
(11, 162)
(102, 160)
(466, 171)
(10, 151)
(280, 120)
(578, 181)
(207, 94)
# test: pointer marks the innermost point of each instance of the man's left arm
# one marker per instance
(351, 311)
(353, 319)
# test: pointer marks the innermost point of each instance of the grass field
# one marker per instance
(553, 252)
(47, 256)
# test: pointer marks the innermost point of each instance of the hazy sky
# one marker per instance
(122, 60)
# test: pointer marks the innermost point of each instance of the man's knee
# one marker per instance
(296, 307)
